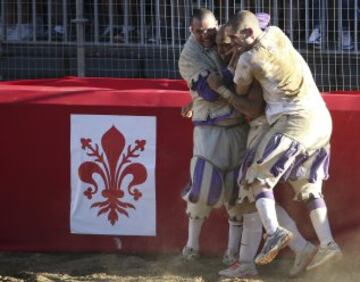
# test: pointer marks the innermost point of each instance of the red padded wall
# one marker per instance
(35, 163)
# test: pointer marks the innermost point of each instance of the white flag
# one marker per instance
(113, 175)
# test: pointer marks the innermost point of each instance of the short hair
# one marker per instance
(222, 36)
(244, 19)
(200, 14)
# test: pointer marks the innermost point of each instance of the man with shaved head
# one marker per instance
(219, 138)
(252, 105)
(296, 145)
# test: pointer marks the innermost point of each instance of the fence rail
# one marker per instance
(143, 38)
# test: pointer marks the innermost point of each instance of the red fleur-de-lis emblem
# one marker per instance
(112, 170)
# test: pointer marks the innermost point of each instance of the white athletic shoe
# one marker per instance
(331, 252)
(303, 259)
(190, 253)
(240, 270)
(230, 257)
(273, 244)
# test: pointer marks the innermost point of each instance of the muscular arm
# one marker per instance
(250, 103)
(248, 98)
(242, 89)
(243, 77)
(202, 88)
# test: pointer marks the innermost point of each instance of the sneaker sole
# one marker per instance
(306, 264)
(245, 276)
(229, 262)
(333, 258)
(274, 251)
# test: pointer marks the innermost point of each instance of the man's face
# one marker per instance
(205, 31)
(224, 45)
(238, 39)
(223, 50)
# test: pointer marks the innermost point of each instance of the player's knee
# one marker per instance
(237, 212)
(197, 214)
(264, 193)
(260, 190)
(313, 200)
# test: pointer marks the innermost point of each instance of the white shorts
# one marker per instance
(295, 148)
(217, 154)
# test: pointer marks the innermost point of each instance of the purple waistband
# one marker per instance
(217, 120)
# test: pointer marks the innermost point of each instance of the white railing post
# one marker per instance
(64, 20)
(80, 37)
(34, 25)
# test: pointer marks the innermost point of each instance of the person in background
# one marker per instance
(348, 22)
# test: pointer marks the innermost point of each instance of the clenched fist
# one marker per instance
(214, 81)
(186, 110)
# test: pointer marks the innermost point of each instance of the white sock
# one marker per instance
(297, 244)
(320, 222)
(251, 237)
(194, 232)
(267, 213)
(235, 231)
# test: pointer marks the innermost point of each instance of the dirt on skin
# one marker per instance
(46, 267)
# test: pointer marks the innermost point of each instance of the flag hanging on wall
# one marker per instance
(113, 175)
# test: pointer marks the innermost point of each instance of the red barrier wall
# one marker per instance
(35, 163)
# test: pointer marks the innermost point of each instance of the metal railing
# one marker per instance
(134, 31)
(54, 20)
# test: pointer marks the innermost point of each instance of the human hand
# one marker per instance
(235, 54)
(186, 110)
(214, 81)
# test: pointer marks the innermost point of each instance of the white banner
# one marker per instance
(113, 175)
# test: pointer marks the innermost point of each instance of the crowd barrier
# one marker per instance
(35, 164)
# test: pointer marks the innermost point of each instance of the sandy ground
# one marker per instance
(120, 267)
(46, 267)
